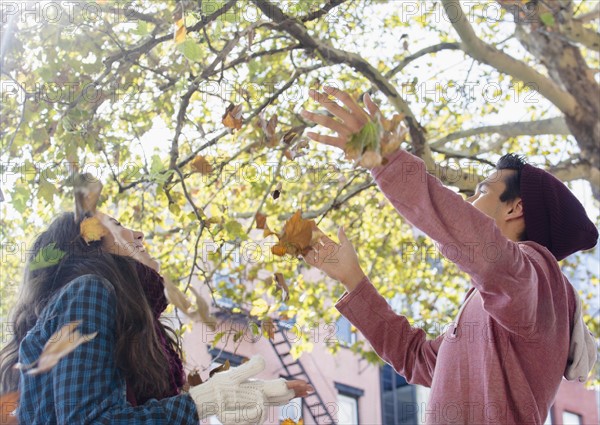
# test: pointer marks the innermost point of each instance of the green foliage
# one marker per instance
(107, 95)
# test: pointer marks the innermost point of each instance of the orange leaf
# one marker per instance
(279, 250)
(61, 343)
(233, 117)
(201, 165)
(297, 234)
(261, 221)
(289, 421)
(8, 404)
(91, 229)
(180, 31)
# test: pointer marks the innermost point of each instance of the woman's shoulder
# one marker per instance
(86, 295)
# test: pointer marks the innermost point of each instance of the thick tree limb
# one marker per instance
(487, 54)
(576, 32)
(513, 129)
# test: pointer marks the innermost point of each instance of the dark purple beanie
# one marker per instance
(554, 217)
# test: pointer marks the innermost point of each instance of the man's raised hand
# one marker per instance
(350, 119)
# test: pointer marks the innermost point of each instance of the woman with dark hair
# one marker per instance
(131, 371)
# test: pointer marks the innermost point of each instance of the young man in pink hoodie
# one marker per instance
(520, 328)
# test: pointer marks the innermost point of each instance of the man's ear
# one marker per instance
(514, 210)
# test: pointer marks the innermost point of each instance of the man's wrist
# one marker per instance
(353, 280)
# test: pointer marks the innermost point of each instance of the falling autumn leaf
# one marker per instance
(297, 237)
(277, 192)
(46, 257)
(86, 190)
(8, 406)
(91, 229)
(225, 366)
(201, 165)
(180, 31)
(179, 300)
(269, 129)
(233, 117)
(280, 282)
(194, 378)
(61, 343)
(268, 328)
(261, 221)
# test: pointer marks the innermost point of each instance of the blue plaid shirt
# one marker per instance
(85, 387)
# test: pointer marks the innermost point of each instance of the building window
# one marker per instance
(344, 333)
(399, 404)
(570, 418)
(347, 403)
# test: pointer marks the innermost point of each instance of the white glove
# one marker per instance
(236, 399)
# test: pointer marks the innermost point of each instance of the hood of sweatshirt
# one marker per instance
(582, 349)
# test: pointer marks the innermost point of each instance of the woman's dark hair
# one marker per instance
(138, 352)
(515, 162)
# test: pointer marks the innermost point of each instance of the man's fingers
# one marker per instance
(338, 142)
(347, 100)
(335, 109)
(328, 122)
(371, 106)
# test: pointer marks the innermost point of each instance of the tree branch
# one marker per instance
(426, 51)
(555, 125)
(488, 54)
(336, 56)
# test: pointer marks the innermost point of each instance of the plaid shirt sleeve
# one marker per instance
(85, 387)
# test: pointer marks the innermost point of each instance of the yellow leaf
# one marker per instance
(233, 117)
(259, 307)
(201, 165)
(180, 31)
(91, 229)
(61, 343)
(296, 236)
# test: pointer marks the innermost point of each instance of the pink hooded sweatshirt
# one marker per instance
(503, 359)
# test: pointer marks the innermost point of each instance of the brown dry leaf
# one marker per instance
(296, 236)
(61, 343)
(8, 405)
(280, 282)
(180, 31)
(225, 366)
(268, 328)
(277, 192)
(86, 189)
(289, 137)
(232, 118)
(269, 128)
(201, 165)
(261, 221)
(179, 300)
(91, 229)
(194, 378)
(202, 312)
(176, 297)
